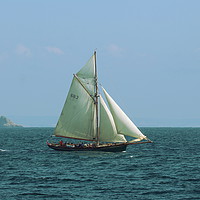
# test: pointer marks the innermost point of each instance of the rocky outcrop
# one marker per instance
(4, 122)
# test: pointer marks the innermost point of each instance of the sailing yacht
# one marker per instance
(85, 116)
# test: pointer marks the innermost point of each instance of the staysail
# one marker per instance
(77, 119)
(123, 124)
(108, 131)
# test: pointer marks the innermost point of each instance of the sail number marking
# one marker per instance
(74, 96)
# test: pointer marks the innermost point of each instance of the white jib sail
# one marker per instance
(108, 132)
(77, 119)
(123, 124)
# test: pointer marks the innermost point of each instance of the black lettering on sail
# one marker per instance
(74, 96)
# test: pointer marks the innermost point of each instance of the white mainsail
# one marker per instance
(77, 119)
(108, 131)
(123, 124)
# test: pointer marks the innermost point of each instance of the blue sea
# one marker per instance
(169, 168)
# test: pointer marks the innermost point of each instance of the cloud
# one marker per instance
(22, 50)
(54, 50)
(114, 50)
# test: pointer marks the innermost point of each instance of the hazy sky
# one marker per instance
(148, 57)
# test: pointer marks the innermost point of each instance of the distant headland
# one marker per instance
(6, 123)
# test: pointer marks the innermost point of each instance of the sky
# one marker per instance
(148, 57)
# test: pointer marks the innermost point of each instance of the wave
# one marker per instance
(3, 150)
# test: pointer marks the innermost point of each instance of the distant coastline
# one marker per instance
(7, 123)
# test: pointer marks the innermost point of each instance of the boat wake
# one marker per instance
(3, 150)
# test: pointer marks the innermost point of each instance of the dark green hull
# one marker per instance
(106, 148)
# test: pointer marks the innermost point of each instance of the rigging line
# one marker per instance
(84, 87)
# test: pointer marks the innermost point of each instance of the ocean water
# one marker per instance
(169, 168)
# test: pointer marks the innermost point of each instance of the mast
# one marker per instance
(96, 99)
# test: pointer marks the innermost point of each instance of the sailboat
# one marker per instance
(86, 117)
